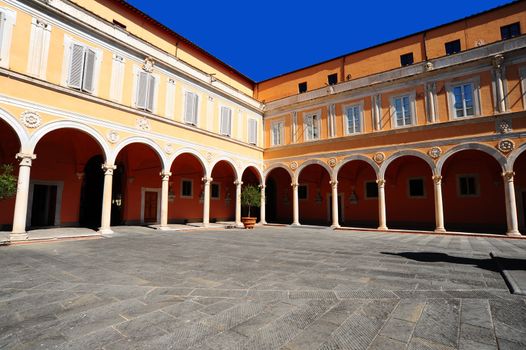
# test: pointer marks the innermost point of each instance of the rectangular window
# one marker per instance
(38, 48)
(463, 100)
(81, 73)
(190, 108)
(303, 192)
(3, 20)
(467, 186)
(302, 87)
(353, 117)
(117, 78)
(312, 127)
(332, 79)
(214, 191)
(406, 59)
(510, 31)
(371, 189)
(186, 189)
(145, 97)
(226, 121)
(277, 134)
(416, 188)
(452, 47)
(402, 111)
(7, 22)
(252, 131)
(170, 98)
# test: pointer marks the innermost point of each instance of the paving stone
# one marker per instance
(398, 329)
(477, 334)
(384, 343)
(439, 322)
(476, 312)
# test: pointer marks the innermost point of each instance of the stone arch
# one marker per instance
(276, 166)
(471, 146)
(514, 155)
(142, 140)
(23, 137)
(230, 162)
(409, 152)
(311, 162)
(258, 170)
(46, 129)
(349, 159)
(194, 153)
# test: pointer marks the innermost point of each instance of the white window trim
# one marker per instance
(451, 98)
(282, 122)
(7, 34)
(33, 67)
(345, 129)
(219, 191)
(477, 186)
(307, 115)
(255, 121)
(143, 204)
(68, 41)
(198, 109)
(117, 82)
(181, 188)
(221, 131)
(412, 106)
(409, 187)
(522, 77)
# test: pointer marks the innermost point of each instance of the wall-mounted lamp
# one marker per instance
(118, 200)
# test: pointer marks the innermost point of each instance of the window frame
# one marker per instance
(309, 115)
(227, 133)
(306, 187)
(118, 75)
(196, 116)
(522, 78)
(6, 34)
(412, 110)
(507, 26)
(218, 197)
(38, 67)
(477, 185)
(424, 194)
(451, 43)
(300, 85)
(281, 134)
(475, 82)
(332, 75)
(346, 118)
(156, 79)
(191, 188)
(365, 194)
(254, 122)
(408, 54)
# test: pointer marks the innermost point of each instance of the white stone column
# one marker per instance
(206, 204)
(439, 206)
(165, 177)
(105, 221)
(262, 213)
(381, 205)
(430, 100)
(22, 196)
(295, 205)
(335, 216)
(511, 205)
(238, 202)
(497, 62)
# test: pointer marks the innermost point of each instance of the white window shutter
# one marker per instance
(252, 131)
(76, 66)
(226, 121)
(151, 93)
(117, 78)
(142, 88)
(188, 103)
(194, 108)
(35, 54)
(3, 19)
(88, 81)
(170, 92)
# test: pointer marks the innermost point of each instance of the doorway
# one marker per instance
(270, 201)
(150, 205)
(91, 193)
(45, 199)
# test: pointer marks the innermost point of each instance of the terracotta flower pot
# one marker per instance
(248, 222)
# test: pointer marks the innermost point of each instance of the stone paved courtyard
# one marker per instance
(270, 288)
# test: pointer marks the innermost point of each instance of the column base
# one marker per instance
(262, 222)
(440, 230)
(513, 234)
(15, 237)
(335, 226)
(295, 224)
(105, 231)
(383, 228)
(163, 228)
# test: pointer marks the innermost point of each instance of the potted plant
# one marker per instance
(250, 197)
(8, 181)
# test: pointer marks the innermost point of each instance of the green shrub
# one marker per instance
(8, 181)
(250, 197)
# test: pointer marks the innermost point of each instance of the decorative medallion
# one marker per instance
(503, 126)
(211, 98)
(148, 64)
(379, 157)
(434, 152)
(143, 124)
(293, 165)
(428, 66)
(479, 42)
(31, 119)
(113, 136)
(332, 162)
(505, 146)
(169, 148)
(209, 157)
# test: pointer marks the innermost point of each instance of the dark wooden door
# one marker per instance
(150, 206)
(44, 205)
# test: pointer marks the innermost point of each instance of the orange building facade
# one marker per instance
(116, 120)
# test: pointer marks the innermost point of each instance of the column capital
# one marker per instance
(294, 184)
(497, 61)
(381, 182)
(437, 179)
(262, 186)
(508, 176)
(26, 159)
(165, 175)
(333, 183)
(108, 168)
(207, 180)
(238, 182)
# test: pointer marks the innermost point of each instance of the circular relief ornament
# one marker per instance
(332, 162)
(379, 157)
(434, 152)
(506, 146)
(113, 136)
(169, 148)
(294, 165)
(209, 157)
(31, 119)
(143, 124)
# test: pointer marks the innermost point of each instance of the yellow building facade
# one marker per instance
(108, 111)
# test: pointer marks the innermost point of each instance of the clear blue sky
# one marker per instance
(262, 39)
